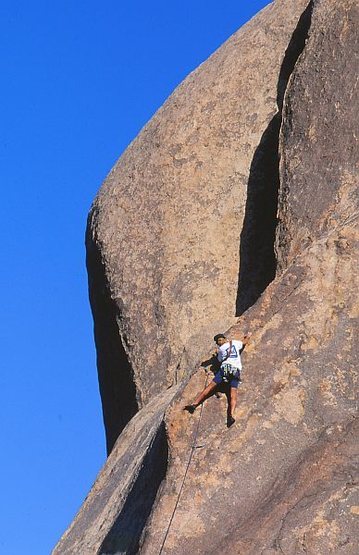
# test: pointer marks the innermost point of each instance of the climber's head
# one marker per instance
(220, 339)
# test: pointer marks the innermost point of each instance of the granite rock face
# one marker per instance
(284, 478)
(163, 239)
(115, 511)
(319, 135)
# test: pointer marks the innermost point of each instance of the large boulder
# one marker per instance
(163, 238)
(283, 479)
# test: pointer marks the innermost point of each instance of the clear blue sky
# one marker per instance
(78, 81)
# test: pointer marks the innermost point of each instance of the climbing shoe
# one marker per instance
(190, 408)
(230, 421)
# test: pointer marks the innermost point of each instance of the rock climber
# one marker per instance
(228, 354)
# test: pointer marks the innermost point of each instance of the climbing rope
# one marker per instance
(193, 447)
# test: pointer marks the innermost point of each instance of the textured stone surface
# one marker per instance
(284, 478)
(319, 136)
(163, 238)
(116, 509)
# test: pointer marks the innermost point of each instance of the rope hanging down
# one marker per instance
(193, 447)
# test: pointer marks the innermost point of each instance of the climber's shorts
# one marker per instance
(228, 374)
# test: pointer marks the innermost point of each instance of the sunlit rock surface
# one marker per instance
(284, 478)
(163, 239)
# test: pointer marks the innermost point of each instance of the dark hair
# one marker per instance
(219, 336)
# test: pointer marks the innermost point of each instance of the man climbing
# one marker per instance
(228, 354)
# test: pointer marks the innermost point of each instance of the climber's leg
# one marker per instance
(207, 392)
(204, 394)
